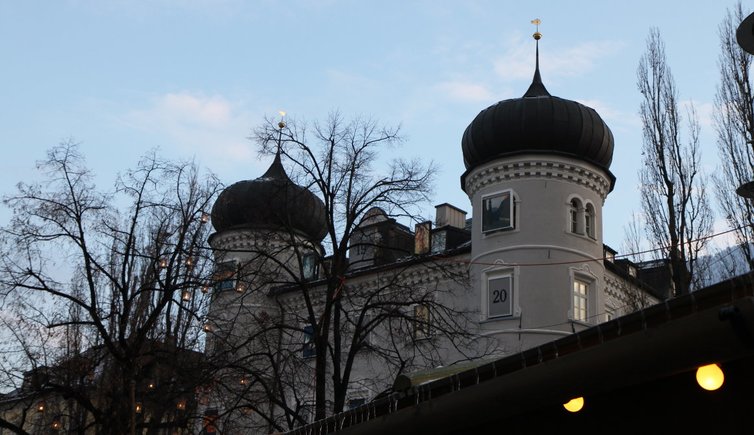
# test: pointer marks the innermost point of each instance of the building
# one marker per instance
(529, 268)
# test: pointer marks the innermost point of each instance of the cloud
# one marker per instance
(575, 60)
(465, 91)
(704, 112)
(611, 115)
(211, 128)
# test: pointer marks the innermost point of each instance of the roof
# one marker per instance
(271, 201)
(538, 123)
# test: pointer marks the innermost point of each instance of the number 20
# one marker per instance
(499, 296)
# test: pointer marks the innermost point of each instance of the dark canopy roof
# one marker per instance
(538, 123)
(271, 201)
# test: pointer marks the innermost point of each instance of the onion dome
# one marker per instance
(271, 201)
(538, 123)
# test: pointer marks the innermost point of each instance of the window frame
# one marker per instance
(308, 348)
(488, 228)
(309, 262)
(422, 328)
(580, 299)
(491, 297)
(590, 220)
(226, 272)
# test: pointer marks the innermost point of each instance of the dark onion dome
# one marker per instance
(538, 123)
(271, 201)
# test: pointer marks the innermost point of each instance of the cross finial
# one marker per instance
(537, 22)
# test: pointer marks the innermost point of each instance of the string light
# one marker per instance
(710, 377)
(574, 405)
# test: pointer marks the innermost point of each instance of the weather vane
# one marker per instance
(281, 124)
(537, 22)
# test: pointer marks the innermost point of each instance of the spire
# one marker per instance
(537, 88)
(276, 169)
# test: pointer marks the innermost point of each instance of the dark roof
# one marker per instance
(745, 34)
(402, 263)
(271, 201)
(632, 370)
(538, 123)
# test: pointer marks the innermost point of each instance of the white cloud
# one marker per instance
(611, 115)
(211, 128)
(465, 91)
(704, 112)
(575, 60)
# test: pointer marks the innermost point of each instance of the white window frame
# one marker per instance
(499, 271)
(511, 211)
(500, 296)
(580, 300)
(583, 275)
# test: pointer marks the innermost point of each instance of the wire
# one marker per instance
(596, 259)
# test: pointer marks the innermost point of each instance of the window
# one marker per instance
(580, 298)
(500, 296)
(422, 322)
(609, 313)
(309, 267)
(589, 220)
(225, 276)
(309, 350)
(498, 212)
(575, 213)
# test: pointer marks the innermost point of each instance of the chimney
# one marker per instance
(446, 214)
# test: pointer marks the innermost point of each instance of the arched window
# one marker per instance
(575, 214)
(589, 220)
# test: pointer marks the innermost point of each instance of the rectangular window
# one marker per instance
(497, 212)
(422, 322)
(309, 350)
(580, 294)
(500, 296)
(309, 266)
(225, 276)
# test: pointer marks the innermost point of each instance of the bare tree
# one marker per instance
(102, 295)
(674, 202)
(319, 336)
(734, 123)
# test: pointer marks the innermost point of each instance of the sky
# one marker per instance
(192, 78)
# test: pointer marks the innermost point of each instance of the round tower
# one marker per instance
(537, 174)
(268, 234)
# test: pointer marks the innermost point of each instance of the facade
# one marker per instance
(529, 267)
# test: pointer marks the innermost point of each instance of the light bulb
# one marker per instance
(710, 377)
(574, 405)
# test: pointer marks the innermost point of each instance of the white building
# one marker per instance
(528, 268)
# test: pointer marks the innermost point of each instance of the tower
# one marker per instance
(268, 232)
(537, 175)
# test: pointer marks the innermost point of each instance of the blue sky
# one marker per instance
(193, 77)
